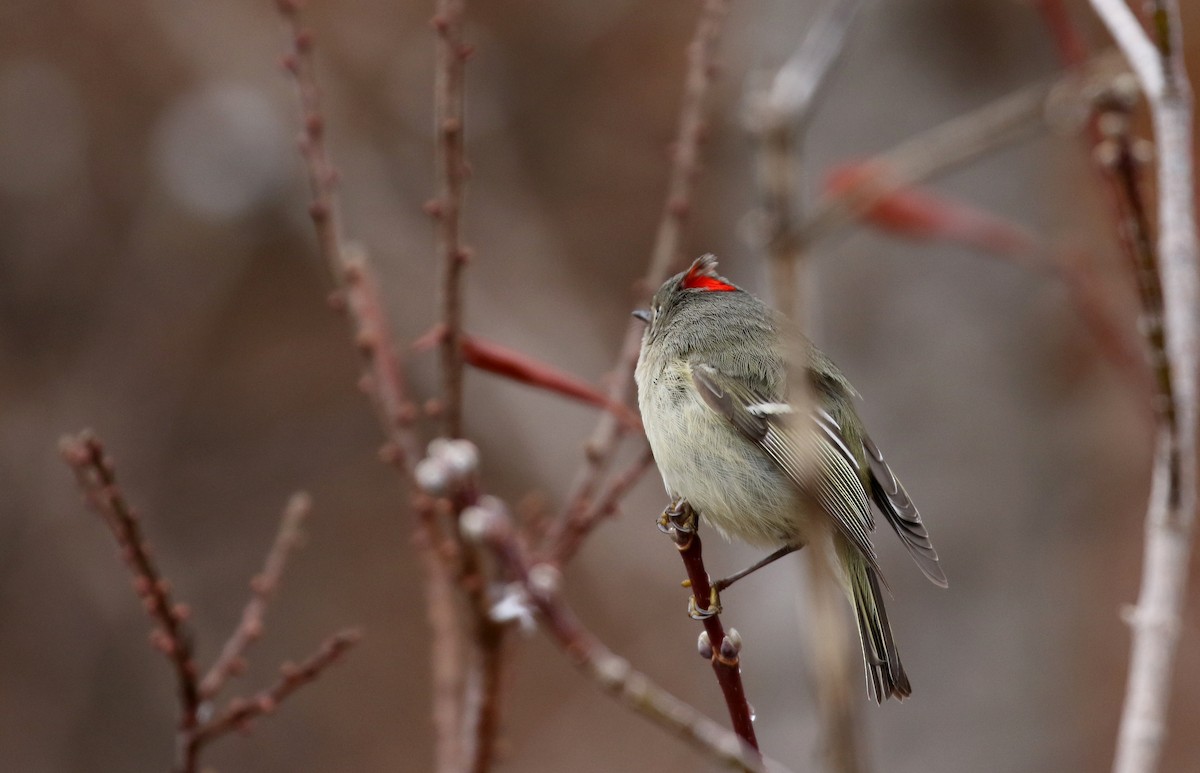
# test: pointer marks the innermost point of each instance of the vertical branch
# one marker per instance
(779, 116)
(1170, 516)
(685, 158)
(449, 98)
(98, 481)
(723, 649)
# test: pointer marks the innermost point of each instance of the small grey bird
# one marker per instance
(711, 389)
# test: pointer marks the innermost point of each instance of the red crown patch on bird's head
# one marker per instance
(702, 275)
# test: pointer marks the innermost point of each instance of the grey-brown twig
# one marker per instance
(537, 585)
(685, 154)
(449, 99)
(232, 661)
(98, 481)
(1170, 516)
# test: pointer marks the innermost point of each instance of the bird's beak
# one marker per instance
(643, 315)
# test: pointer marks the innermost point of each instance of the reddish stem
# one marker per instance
(725, 658)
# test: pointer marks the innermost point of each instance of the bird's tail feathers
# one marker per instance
(885, 674)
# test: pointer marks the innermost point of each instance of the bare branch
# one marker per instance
(98, 481)
(358, 289)
(722, 649)
(232, 662)
(449, 99)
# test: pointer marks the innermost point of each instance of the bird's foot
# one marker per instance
(679, 517)
(714, 606)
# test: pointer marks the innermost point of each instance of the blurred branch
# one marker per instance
(98, 481)
(936, 151)
(779, 116)
(449, 99)
(682, 523)
(537, 584)
(232, 662)
(1170, 516)
(685, 154)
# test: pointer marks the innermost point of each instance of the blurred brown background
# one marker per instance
(158, 282)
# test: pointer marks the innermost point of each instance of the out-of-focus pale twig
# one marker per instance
(778, 116)
(537, 585)
(685, 155)
(1170, 516)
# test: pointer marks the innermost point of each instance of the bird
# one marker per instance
(711, 380)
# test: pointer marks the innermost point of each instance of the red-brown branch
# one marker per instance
(98, 481)
(725, 648)
(232, 661)
(685, 159)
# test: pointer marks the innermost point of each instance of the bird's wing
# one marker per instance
(838, 483)
(900, 512)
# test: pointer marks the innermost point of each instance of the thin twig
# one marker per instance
(539, 586)
(449, 99)
(240, 712)
(666, 253)
(98, 481)
(1170, 516)
(724, 654)
(358, 289)
(232, 662)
